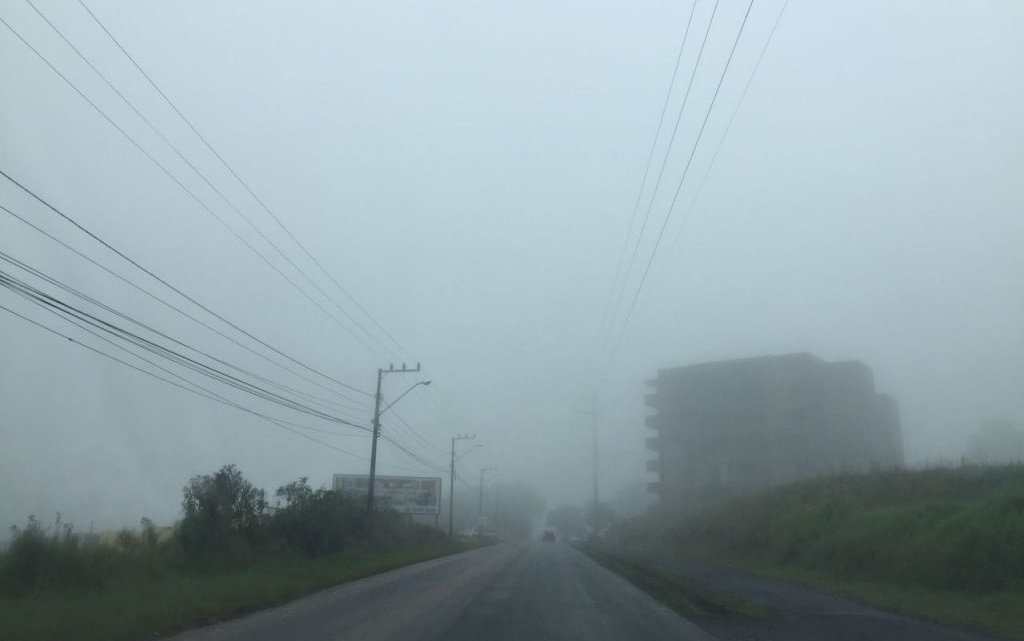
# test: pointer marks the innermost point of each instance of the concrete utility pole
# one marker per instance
(593, 428)
(377, 411)
(480, 509)
(593, 424)
(451, 484)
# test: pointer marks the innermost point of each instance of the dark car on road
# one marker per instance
(549, 536)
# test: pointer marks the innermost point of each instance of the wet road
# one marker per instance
(533, 591)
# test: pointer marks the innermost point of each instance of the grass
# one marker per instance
(152, 607)
(944, 544)
(686, 597)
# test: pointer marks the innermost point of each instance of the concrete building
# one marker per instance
(730, 427)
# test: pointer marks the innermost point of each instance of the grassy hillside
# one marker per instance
(923, 541)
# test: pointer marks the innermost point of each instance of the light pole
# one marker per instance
(451, 482)
(377, 411)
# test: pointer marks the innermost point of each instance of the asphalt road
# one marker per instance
(799, 614)
(522, 592)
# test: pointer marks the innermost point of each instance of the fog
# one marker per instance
(468, 172)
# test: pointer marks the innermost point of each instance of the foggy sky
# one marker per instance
(467, 171)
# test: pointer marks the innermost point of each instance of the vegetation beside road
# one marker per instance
(230, 554)
(943, 543)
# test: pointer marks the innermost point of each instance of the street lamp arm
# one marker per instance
(459, 457)
(414, 386)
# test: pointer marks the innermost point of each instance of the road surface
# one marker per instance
(521, 592)
(799, 613)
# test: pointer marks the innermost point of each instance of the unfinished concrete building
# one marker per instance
(731, 427)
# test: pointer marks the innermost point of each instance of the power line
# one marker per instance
(415, 457)
(184, 187)
(647, 169)
(195, 170)
(237, 177)
(211, 396)
(71, 290)
(416, 435)
(728, 126)
(682, 178)
(65, 309)
(165, 283)
(664, 164)
(178, 310)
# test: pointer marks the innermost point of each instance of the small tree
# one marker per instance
(223, 515)
(317, 521)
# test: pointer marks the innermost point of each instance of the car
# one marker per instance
(549, 536)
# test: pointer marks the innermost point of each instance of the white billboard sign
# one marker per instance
(406, 494)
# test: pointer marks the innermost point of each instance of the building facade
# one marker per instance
(731, 427)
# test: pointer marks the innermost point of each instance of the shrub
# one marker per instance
(317, 521)
(39, 558)
(223, 520)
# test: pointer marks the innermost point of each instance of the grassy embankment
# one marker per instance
(942, 544)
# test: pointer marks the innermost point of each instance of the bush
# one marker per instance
(224, 518)
(39, 559)
(317, 522)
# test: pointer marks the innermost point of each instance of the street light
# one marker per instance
(402, 395)
(376, 426)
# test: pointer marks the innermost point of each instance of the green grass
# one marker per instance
(944, 544)
(145, 608)
(686, 597)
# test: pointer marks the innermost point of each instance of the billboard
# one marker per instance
(406, 494)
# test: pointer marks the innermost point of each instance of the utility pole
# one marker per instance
(480, 509)
(593, 429)
(593, 424)
(451, 485)
(376, 428)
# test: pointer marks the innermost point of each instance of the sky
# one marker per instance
(468, 172)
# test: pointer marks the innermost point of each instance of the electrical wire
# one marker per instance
(679, 187)
(211, 396)
(107, 308)
(661, 170)
(47, 301)
(725, 133)
(647, 169)
(440, 469)
(237, 177)
(181, 311)
(416, 435)
(191, 194)
(168, 285)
